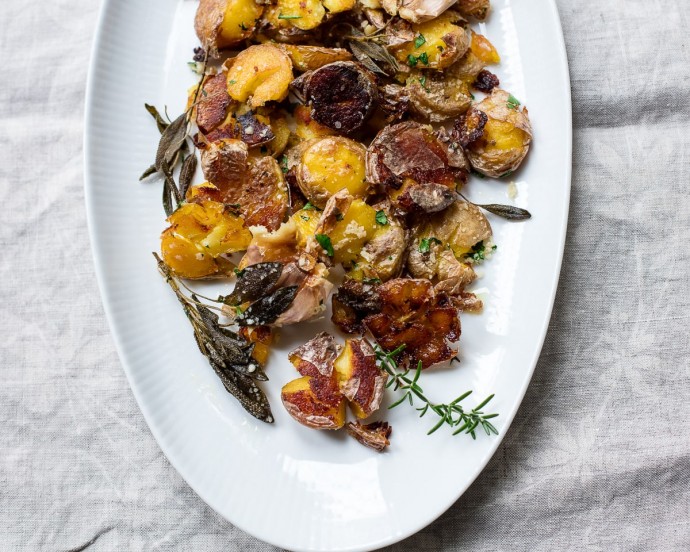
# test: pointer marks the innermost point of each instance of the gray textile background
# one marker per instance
(599, 455)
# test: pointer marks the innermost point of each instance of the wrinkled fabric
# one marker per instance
(598, 457)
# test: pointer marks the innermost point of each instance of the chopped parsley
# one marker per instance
(284, 164)
(381, 218)
(371, 280)
(243, 26)
(422, 81)
(281, 16)
(239, 272)
(325, 242)
(419, 40)
(304, 217)
(513, 102)
(479, 252)
(232, 81)
(426, 243)
(411, 60)
(309, 207)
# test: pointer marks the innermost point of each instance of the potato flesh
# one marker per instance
(357, 226)
(330, 165)
(306, 222)
(307, 128)
(337, 6)
(434, 46)
(260, 74)
(308, 58)
(501, 135)
(239, 21)
(303, 14)
(198, 235)
(359, 379)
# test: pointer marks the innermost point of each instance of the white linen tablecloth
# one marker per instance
(598, 457)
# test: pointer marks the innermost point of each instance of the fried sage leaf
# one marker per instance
(507, 212)
(171, 141)
(254, 282)
(161, 123)
(267, 309)
(187, 173)
(229, 355)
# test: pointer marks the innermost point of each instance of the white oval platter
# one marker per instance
(290, 486)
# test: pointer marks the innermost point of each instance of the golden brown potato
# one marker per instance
(484, 50)
(213, 102)
(360, 380)
(315, 402)
(437, 97)
(329, 165)
(262, 338)
(224, 163)
(224, 23)
(338, 6)
(199, 235)
(411, 315)
(260, 74)
(309, 58)
(506, 136)
(315, 357)
(437, 44)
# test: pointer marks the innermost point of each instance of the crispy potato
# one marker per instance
(274, 29)
(279, 245)
(306, 222)
(224, 164)
(309, 58)
(412, 316)
(260, 74)
(342, 95)
(354, 301)
(307, 128)
(329, 165)
(374, 435)
(437, 97)
(213, 102)
(478, 9)
(198, 236)
(224, 23)
(506, 136)
(484, 50)
(360, 380)
(445, 41)
(315, 402)
(466, 68)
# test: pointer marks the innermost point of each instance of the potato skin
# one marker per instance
(225, 23)
(441, 97)
(260, 74)
(506, 137)
(315, 402)
(360, 380)
(477, 9)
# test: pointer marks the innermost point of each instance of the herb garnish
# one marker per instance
(229, 354)
(453, 413)
(325, 242)
(419, 40)
(411, 60)
(426, 243)
(507, 212)
(422, 81)
(281, 16)
(381, 218)
(284, 164)
(309, 207)
(513, 102)
(478, 253)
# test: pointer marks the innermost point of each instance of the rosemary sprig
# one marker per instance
(452, 414)
(229, 354)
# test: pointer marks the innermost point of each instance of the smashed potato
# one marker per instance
(329, 165)
(412, 316)
(260, 74)
(314, 402)
(302, 14)
(224, 23)
(199, 235)
(506, 136)
(360, 380)
(438, 43)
